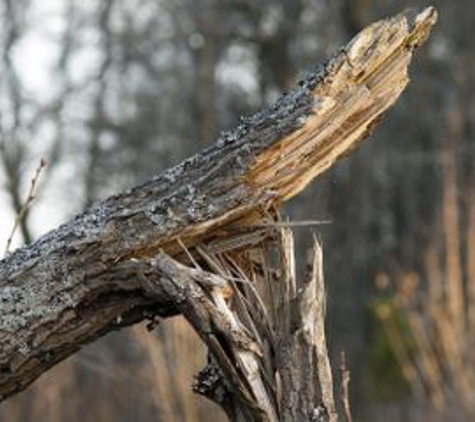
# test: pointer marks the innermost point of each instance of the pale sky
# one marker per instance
(33, 59)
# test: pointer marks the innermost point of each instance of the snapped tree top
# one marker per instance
(84, 279)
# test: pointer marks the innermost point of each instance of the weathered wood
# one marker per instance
(201, 298)
(265, 367)
(85, 278)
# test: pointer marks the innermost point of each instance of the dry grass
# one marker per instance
(175, 354)
(437, 354)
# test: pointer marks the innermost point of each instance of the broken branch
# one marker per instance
(85, 278)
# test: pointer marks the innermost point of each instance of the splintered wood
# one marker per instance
(359, 85)
(268, 366)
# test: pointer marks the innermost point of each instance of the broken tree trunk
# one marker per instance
(105, 269)
(268, 354)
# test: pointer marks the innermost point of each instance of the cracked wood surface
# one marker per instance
(83, 279)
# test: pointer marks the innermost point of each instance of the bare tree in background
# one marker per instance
(13, 148)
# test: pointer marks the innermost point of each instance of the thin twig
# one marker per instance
(188, 254)
(29, 199)
(344, 390)
(302, 223)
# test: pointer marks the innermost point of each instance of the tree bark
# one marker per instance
(86, 278)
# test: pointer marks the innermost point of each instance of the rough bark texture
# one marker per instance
(86, 278)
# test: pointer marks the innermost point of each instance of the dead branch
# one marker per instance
(26, 205)
(344, 388)
(86, 278)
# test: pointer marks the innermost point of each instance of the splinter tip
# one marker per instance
(429, 14)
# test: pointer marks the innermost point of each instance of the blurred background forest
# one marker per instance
(111, 92)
